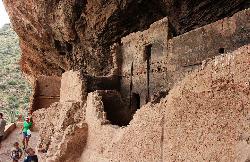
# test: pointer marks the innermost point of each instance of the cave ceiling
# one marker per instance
(58, 35)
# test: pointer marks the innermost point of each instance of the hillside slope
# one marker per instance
(14, 89)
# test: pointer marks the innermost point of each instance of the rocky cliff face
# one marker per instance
(59, 35)
(193, 120)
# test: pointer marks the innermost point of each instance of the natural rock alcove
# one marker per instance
(173, 74)
(77, 34)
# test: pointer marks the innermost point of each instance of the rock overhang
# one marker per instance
(57, 36)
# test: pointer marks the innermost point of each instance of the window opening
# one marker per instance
(221, 50)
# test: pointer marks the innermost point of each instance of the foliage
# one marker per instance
(14, 89)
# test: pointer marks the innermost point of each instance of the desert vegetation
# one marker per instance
(14, 89)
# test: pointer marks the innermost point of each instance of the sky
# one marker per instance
(4, 18)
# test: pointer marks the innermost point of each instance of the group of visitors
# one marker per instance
(17, 152)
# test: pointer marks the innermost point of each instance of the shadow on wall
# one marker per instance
(116, 112)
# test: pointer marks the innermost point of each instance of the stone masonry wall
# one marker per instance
(46, 91)
(153, 61)
(136, 51)
(73, 87)
(205, 117)
(108, 142)
(189, 50)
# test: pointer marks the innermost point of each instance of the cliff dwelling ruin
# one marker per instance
(147, 64)
(138, 80)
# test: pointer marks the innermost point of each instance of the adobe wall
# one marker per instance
(46, 91)
(223, 36)
(205, 117)
(108, 142)
(172, 58)
(207, 114)
(186, 52)
(73, 87)
(135, 62)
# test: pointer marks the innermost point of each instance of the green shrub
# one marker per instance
(2, 87)
(12, 82)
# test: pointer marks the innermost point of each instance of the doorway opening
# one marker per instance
(135, 102)
(147, 58)
(116, 113)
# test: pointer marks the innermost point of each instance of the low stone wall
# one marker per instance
(9, 129)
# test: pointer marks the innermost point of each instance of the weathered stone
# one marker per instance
(58, 125)
(56, 36)
(153, 61)
(46, 90)
(73, 87)
(204, 118)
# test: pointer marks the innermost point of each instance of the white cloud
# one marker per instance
(4, 18)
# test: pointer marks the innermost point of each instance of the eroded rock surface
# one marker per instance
(62, 130)
(204, 117)
(59, 35)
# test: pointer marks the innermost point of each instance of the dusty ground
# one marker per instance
(7, 144)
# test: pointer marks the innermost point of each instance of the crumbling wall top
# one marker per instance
(158, 30)
(73, 87)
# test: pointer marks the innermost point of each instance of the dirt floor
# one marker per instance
(7, 144)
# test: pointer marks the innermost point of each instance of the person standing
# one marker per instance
(16, 152)
(2, 127)
(26, 132)
(31, 156)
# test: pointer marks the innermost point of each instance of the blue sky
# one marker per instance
(3, 15)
